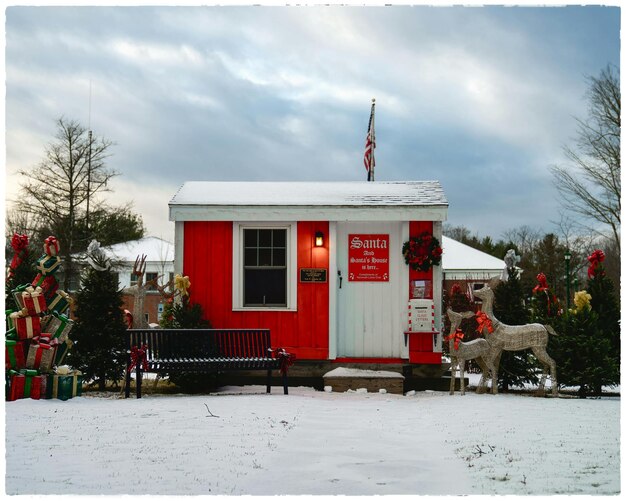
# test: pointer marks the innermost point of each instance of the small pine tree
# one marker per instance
(99, 333)
(605, 304)
(584, 357)
(183, 315)
(516, 367)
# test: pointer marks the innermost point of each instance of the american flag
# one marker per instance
(370, 144)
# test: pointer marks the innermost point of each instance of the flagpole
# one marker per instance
(373, 134)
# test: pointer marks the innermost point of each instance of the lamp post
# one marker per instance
(567, 256)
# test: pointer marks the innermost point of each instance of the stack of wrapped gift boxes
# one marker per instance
(37, 337)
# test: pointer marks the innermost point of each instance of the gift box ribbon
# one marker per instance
(51, 246)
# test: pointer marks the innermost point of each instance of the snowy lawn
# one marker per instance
(312, 442)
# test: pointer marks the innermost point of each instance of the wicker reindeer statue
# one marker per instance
(478, 349)
(517, 338)
(139, 292)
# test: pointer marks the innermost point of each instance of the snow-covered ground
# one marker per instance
(243, 441)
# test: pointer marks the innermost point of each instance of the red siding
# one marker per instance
(208, 260)
(421, 345)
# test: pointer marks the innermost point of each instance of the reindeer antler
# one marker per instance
(140, 265)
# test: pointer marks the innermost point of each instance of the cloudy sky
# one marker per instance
(481, 98)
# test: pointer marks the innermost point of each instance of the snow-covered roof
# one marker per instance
(460, 262)
(156, 250)
(209, 200)
(264, 193)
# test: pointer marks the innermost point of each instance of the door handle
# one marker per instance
(340, 277)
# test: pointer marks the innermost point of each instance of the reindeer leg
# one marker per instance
(462, 371)
(452, 374)
(548, 364)
(482, 385)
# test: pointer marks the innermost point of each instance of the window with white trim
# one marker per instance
(264, 266)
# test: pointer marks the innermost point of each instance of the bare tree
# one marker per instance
(524, 237)
(63, 186)
(591, 186)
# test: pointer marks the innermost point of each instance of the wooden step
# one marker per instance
(343, 379)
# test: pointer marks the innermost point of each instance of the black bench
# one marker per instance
(165, 351)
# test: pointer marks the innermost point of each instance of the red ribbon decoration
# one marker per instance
(129, 319)
(457, 336)
(286, 360)
(543, 283)
(19, 243)
(483, 322)
(138, 358)
(51, 246)
(595, 261)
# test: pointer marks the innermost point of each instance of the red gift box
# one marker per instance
(34, 300)
(26, 326)
(26, 384)
(51, 246)
(48, 284)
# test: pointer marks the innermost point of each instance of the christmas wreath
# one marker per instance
(422, 252)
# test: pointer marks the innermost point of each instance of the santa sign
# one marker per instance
(368, 258)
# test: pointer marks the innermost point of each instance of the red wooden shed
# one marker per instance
(318, 263)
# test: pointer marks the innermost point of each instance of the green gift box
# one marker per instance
(65, 386)
(47, 265)
(62, 351)
(60, 302)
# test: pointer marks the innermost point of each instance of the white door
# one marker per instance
(371, 314)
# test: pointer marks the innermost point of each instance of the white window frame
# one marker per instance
(292, 265)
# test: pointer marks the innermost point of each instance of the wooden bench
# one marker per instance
(167, 351)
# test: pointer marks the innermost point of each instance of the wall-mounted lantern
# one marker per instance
(319, 239)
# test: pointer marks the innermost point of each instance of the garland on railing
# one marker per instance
(422, 252)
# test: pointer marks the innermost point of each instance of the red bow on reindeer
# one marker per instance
(138, 358)
(483, 322)
(457, 336)
(595, 261)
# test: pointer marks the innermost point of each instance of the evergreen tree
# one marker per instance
(605, 305)
(183, 315)
(99, 333)
(583, 355)
(516, 367)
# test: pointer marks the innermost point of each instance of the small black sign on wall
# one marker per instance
(313, 274)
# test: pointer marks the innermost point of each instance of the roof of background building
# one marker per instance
(460, 262)
(156, 249)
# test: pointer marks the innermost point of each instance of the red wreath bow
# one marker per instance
(19, 243)
(457, 336)
(595, 261)
(542, 285)
(286, 360)
(483, 322)
(138, 357)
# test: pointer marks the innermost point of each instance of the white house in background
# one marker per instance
(467, 266)
(159, 259)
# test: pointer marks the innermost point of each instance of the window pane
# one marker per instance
(279, 238)
(265, 257)
(250, 238)
(279, 257)
(265, 287)
(250, 257)
(265, 238)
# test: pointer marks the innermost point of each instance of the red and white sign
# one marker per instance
(368, 258)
